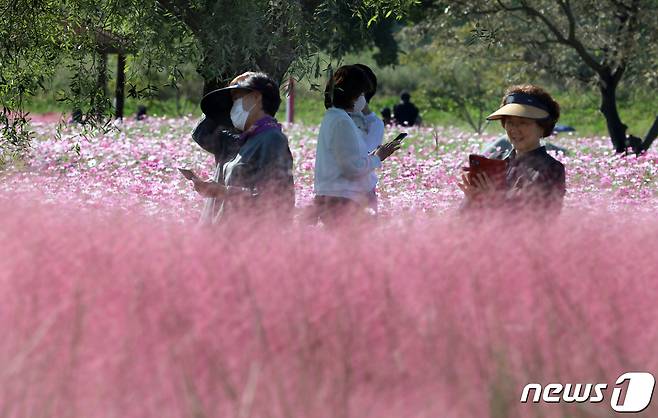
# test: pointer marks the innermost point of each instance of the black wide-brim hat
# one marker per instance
(217, 104)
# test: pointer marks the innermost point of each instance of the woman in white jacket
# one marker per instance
(343, 165)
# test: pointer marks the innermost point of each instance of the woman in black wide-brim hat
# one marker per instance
(533, 178)
(253, 178)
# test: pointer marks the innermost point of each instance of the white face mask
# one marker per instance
(239, 115)
(360, 103)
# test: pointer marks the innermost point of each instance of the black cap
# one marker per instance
(217, 104)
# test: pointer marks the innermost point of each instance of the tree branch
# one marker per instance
(566, 7)
(573, 43)
(627, 20)
(182, 9)
(509, 8)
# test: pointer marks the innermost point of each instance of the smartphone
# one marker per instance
(400, 137)
(188, 174)
(495, 169)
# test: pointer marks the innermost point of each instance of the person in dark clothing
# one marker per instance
(141, 112)
(387, 117)
(533, 178)
(405, 112)
(253, 175)
(76, 116)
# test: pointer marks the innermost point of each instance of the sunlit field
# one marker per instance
(113, 303)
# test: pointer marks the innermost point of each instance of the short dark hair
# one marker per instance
(268, 88)
(373, 81)
(405, 96)
(553, 107)
(345, 86)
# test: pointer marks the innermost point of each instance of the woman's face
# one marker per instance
(523, 133)
(249, 98)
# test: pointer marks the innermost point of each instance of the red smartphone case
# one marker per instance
(495, 169)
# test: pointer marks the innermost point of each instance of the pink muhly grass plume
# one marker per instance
(118, 314)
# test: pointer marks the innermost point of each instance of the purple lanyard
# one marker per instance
(261, 125)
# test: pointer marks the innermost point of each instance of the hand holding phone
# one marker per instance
(189, 174)
(385, 151)
(400, 137)
(494, 169)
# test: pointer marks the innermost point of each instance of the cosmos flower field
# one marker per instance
(114, 304)
(135, 167)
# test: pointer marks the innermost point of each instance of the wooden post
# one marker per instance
(121, 82)
(98, 101)
(290, 101)
(102, 74)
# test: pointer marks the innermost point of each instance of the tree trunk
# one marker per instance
(98, 100)
(651, 135)
(120, 87)
(616, 127)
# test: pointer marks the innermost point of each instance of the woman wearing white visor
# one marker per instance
(533, 178)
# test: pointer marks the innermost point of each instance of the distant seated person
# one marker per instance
(141, 112)
(76, 116)
(387, 116)
(405, 112)
(533, 179)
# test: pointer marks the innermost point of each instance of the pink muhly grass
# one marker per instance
(113, 304)
(121, 315)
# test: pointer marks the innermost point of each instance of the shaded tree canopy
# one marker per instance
(234, 36)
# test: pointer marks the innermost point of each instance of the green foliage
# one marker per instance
(220, 38)
(598, 33)
(579, 109)
(590, 41)
(24, 46)
(461, 78)
(234, 36)
(38, 37)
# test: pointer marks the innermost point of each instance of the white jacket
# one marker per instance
(343, 166)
